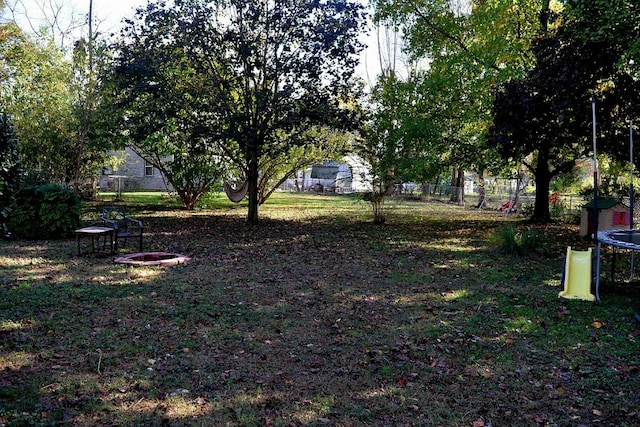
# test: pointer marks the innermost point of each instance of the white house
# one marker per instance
(130, 172)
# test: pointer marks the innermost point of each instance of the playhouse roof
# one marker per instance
(603, 204)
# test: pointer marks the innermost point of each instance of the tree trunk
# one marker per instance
(482, 192)
(461, 187)
(457, 186)
(252, 178)
(434, 187)
(377, 203)
(543, 183)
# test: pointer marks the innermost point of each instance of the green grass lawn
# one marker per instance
(315, 317)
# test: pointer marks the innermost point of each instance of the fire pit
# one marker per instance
(152, 258)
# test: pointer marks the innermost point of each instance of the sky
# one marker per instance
(109, 13)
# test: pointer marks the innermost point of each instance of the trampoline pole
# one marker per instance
(631, 165)
(631, 195)
(595, 176)
(595, 201)
(598, 271)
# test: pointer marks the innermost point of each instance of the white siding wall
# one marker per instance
(130, 175)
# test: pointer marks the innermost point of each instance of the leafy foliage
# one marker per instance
(10, 167)
(510, 241)
(544, 118)
(52, 100)
(43, 212)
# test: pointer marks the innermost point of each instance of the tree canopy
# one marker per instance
(50, 94)
(270, 71)
(544, 118)
(466, 48)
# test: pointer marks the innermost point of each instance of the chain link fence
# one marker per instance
(504, 198)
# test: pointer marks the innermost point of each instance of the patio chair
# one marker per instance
(124, 226)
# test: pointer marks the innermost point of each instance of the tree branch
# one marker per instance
(451, 37)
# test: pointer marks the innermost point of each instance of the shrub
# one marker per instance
(46, 211)
(526, 209)
(534, 242)
(504, 240)
(557, 205)
(23, 214)
(209, 200)
(10, 170)
(510, 241)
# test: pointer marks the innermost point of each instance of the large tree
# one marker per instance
(50, 93)
(274, 69)
(544, 119)
(396, 139)
(164, 104)
(468, 48)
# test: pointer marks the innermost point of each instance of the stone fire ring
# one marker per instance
(152, 259)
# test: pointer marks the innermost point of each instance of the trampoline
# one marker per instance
(617, 238)
(621, 238)
(624, 238)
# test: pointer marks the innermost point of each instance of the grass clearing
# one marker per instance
(316, 317)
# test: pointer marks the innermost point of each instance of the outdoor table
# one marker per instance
(95, 232)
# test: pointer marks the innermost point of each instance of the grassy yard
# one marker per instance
(316, 317)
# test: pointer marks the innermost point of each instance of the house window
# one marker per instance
(148, 168)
